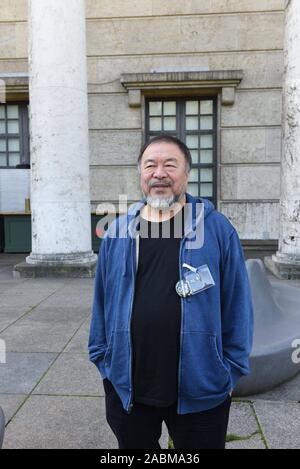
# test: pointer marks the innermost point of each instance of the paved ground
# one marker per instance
(52, 395)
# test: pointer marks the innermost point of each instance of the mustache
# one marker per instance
(159, 183)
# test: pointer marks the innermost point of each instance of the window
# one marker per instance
(14, 135)
(194, 121)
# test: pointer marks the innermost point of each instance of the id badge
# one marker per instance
(196, 280)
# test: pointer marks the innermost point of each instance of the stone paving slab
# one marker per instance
(79, 343)
(60, 423)
(69, 298)
(253, 443)
(10, 403)
(51, 284)
(6, 322)
(72, 374)
(65, 314)
(22, 371)
(242, 421)
(7, 286)
(280, 422)
(24, 299)
(38, 336)
(8, 316)
(6, 276)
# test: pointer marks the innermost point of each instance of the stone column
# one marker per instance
(286, 262)
(60, 191)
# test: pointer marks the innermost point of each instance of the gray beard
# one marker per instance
(162, 203)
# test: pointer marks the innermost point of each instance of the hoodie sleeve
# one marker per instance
(237, 311)
(97, 339)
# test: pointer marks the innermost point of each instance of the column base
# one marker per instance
(79, 265)
(284, 269)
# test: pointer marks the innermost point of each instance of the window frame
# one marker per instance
(181, 132)
(22, 135)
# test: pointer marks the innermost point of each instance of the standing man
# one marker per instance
(172, 322)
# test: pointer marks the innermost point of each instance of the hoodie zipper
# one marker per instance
(130, 405)
(181, 328)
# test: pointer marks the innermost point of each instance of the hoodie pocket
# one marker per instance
(203, 373)
(117, 359)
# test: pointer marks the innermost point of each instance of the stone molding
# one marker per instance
(225, 80)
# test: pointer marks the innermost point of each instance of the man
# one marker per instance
(169, 346)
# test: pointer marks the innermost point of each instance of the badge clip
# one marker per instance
(195, 281)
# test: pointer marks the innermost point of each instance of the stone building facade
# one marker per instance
(209, 72)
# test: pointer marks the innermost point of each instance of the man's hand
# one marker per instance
(230, 394)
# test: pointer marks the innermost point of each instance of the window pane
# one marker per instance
(206, 175)
(192, 141)
(13, 144)
(155, 108)
(192, 107)
(206, 123)
(206, 190)
(14, 159)
(193, 189)
(13, 111)
(170, 123)
(170, 108)
(206, 141)
(13, 127)
(2, 112)
(206, 107)
(2, 127)
(198, 125)
(195, 156)
(155, 123)
(193, 176)
(206, 156)
(3, 161)
(191, 123)
(2, 144)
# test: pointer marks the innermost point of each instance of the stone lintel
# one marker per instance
(226, 80)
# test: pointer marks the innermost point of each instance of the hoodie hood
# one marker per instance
(195, 209)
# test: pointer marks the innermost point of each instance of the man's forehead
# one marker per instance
(163, 150)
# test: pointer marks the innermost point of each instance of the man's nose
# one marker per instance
(160, 172)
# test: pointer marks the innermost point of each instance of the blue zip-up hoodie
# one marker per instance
(216, 324)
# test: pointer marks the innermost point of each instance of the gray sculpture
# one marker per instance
(277, 324)
(2, 427)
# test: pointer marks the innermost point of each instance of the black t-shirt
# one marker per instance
(156, 315)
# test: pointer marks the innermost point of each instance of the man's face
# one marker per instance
(164, 174)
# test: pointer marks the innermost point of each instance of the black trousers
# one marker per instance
(141, 429)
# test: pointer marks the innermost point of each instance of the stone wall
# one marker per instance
(132, 36)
